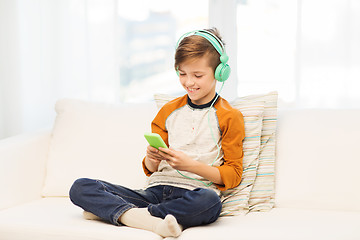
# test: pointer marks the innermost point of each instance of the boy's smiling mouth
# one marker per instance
(191, 90)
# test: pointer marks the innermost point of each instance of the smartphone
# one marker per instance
(155, 140)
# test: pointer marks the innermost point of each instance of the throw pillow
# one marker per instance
(262, 196)
(236, 200)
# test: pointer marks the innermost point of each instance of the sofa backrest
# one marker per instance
(316, 151)
(96, 140)
(317, 162)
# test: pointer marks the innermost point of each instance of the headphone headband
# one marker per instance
(223, 70)
(212, 38)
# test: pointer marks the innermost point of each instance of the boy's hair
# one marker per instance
(194, 47)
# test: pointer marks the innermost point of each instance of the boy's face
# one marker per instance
(197, 78)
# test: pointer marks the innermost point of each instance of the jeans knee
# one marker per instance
(212, 200)
(78, 189)
(204, 207)
(208, 196)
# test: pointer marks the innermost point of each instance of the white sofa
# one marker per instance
(317, 179)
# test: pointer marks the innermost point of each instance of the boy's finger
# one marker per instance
(165, 150)
(152, 149)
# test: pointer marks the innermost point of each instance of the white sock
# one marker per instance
(90, 216)
(142, 219)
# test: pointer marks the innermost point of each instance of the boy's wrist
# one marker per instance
(150, 165)
(210, 173)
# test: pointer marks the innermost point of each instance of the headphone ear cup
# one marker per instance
(222, 72)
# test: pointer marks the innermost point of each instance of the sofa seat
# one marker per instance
(283, 224)
(58, 218)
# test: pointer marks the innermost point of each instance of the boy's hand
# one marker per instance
(180, 161)
(153, 158)
(177, 159)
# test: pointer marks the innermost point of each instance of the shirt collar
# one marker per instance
(202, 106)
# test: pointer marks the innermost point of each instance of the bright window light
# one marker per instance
(147, 38)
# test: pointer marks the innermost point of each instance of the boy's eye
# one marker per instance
(198, 76)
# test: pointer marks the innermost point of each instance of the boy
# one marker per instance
(205, 137)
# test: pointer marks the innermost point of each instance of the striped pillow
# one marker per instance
(262, 196)
(162, 99)
(235, 201)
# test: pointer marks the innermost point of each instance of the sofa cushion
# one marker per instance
(97, 140)
(281, 224)
(235, 200)
(58, 218)
(317, 159)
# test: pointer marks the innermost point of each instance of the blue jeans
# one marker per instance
(108, 201)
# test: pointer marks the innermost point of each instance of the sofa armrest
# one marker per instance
(22, 167)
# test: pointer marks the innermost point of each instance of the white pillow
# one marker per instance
(95, 140)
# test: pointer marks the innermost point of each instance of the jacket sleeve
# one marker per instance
(157, 126)
(233, 134)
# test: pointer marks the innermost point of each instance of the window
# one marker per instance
(307, 50)
(266, 47)
(147, 38)
(329, 61)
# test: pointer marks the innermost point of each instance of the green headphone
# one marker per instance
(222, 71)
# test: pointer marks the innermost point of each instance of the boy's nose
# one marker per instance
(189, 81)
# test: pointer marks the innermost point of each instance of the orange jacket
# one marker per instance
(185, 126)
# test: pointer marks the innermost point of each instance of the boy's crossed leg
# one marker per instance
(141, 218)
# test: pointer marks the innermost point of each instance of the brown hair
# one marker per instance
(194, 47)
